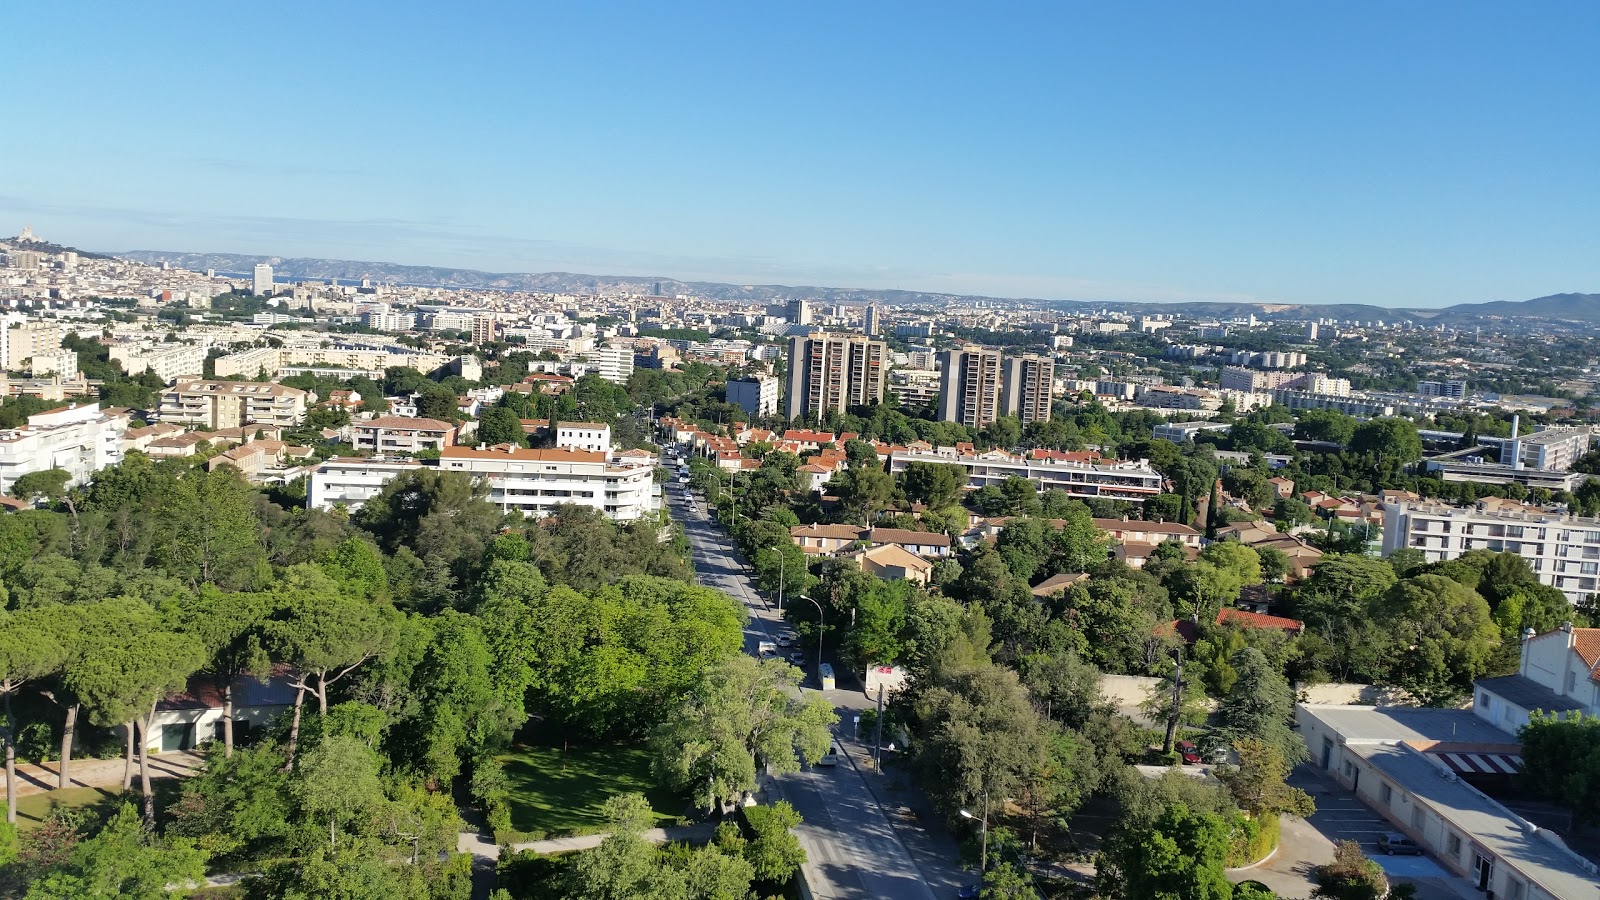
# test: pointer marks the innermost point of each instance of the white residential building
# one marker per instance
(594, 437)
(251, 363)
(261, 280)
(1178, 432)
(534, 481)
(168, 362)
(78, 439)
(1133, 480)
(55, 362)
(1563, 551)
(352, 481)
(756, 395)
(1559, 674)
(25, 339)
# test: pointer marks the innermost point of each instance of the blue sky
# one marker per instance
(1400, 154)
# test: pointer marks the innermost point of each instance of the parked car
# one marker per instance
(831, 758)
(766, 650)
(1394, 843)
(786, 638)
(797, 659)
(1190, 753)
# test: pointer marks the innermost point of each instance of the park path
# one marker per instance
(103, 773)
(484, 847)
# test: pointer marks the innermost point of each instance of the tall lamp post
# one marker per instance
(822, 628)
(783, 558)
(983, 859)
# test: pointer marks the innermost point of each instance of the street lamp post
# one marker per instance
(822, 628)
(783, 558)
(983, 858)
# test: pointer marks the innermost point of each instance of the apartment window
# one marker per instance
(1515, 889)
(1417, 818)
(1589, 568)
(1452, 845)
(1386, 794)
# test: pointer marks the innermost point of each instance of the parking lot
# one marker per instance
(1341, 817)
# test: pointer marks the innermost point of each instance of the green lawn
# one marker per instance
(558, 793)
(35, 808)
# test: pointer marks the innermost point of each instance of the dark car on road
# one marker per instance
(1190, 753)
(1396, 844)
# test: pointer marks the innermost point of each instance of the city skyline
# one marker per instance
(1413, 157)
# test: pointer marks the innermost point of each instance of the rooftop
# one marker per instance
(1528, 694)
(1392, 724)
(1535, 855)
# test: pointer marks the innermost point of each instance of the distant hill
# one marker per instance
(1569, 307)
(47, 247)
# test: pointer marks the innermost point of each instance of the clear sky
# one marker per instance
(1415, 153)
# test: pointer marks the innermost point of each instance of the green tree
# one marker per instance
(934, 485)
(1005, 881)
(211, 533)
(864, 491)
(124, 861)
(1561, 763)
(501, 425)
(1328, 425)
(228, 629)
(1260, 705)
(1442, 637)
(773, 851)
(739, 710)
(323, 634)
(28, 653)
(239, 805)
(1260, 782)
(122, 682)
(1351, 875)
(1181, 856)
(978, 736)
(338, 779)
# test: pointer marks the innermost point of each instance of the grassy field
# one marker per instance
(35, 808)
(558, 793)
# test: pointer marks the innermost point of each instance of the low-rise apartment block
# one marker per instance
(1563, 551)
(535, 481)
(80, 440)
(168, 362)
(233, 404)
(1130, 480)
(352, 481)
(401, 434)
(595, 437)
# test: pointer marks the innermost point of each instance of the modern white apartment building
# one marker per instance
(1131, 480)
(168, 362)
(78, 439)
(352, 481)
(261, 280)
(401, 434)
(594, 437)
(534, 481)
(756, 395)
(1563, 551)
(233, 404)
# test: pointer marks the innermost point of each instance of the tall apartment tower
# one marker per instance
(485, 329)
(1026, 389)
(872, 320)
(969, 386)
(261, 282)
(800, 312)
(834, 371)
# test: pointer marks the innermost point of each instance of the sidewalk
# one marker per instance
(911, 813)
(104, 773)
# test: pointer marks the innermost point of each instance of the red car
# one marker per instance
(1189, 752)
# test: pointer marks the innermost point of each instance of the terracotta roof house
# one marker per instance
(1056, 584)
(891, 562)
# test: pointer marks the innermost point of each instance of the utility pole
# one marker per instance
(877, 734)
(1177, 701)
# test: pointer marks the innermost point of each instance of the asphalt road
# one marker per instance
(852, 850)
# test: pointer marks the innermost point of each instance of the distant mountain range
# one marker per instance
(1583, 308)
